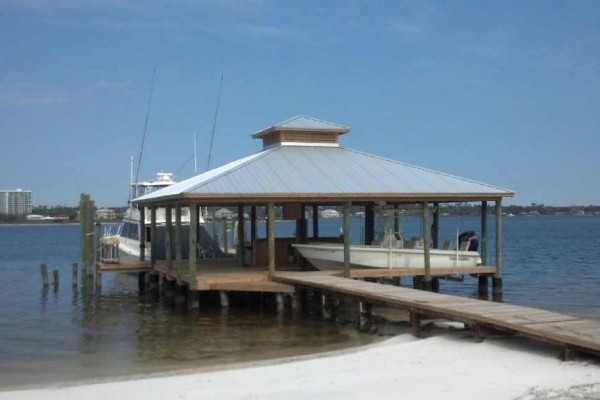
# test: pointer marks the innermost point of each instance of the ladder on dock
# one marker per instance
(574, 334)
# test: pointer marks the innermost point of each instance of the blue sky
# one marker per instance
(507, 92)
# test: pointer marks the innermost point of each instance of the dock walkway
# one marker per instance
(572, 333)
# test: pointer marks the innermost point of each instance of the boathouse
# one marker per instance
(302, 165)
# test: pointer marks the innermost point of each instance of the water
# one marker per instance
(549, 262)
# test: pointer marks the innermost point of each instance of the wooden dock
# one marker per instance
(573, 334)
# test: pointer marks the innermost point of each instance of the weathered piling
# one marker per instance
(55, 283)
(74, 271)
(88, 235)
(44, 272)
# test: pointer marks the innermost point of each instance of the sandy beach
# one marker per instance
(443, 366)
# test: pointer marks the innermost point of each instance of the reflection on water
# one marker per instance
(120, 333)
(48, 336)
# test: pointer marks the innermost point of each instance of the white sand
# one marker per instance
(447, 366)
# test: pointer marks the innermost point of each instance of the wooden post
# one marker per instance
(142, 233)
(347, 206)
(497, 280)
(280, 302)
(315, 221)
(178, 239)
(169, 237)
(415, 323)
(427, 285)
(224, 298)
(252, 224)
(369, 224)
(396, 219)
(436, 225)
(241, 248)
(271, 238)
(225, 238)
(55, 273)
(364, 319)
(153, 243)
(74, 275)
(193, 243)
(44, 272)
(483, 280)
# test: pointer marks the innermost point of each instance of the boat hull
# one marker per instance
(331, 257)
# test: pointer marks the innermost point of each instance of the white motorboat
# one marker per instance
(128, 233)
(391, 253)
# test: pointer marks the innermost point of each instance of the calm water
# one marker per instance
(550, 263)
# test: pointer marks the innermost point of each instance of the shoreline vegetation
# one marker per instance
(65, 214)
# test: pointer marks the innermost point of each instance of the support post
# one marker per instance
(178, 239)
(142, 233)
(193, 243)
(436, 225)
(271, 238)
(252, 224)
(153, 255)
(427, 285)
(347, 206)
(44, 272)
(315, 221)
(225, 237)
(74, 271)
(169, 238)
(415, 323)
(497, 280)
(484, 233)
(224, 298)
(364, 321)
(396, 220)
(241, 248)
(55, 283)
(369, 224)
(280, 301)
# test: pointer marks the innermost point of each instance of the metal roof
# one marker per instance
(301, 122)
(305, 172)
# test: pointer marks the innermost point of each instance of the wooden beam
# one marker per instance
(169, 238)
(436, 225)
(241, 236)
(178, 239)
(497, 281)
(347, 206)
(142, 233)
(369, 224)
(426, 247)
(252, 224)
(271, 238)
(193, 240)
(153, 243)
(315, 221)
(484, 232)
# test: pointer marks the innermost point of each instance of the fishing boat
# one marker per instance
(391, 251)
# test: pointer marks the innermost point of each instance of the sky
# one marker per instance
(506, 92)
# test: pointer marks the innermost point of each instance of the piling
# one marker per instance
(44, 272)
(224, 298)
(280, 302)
(55, 283)
(364, 318)
(74, 279)
(497, 279)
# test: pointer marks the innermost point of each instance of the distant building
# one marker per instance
(106, 214)
(15, 202)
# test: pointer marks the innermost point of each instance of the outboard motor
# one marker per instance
(470, 237)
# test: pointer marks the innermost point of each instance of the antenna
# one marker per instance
(212, 136)
(137, 174)
(195, 158)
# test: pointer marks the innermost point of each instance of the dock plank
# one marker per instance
(540, 324)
